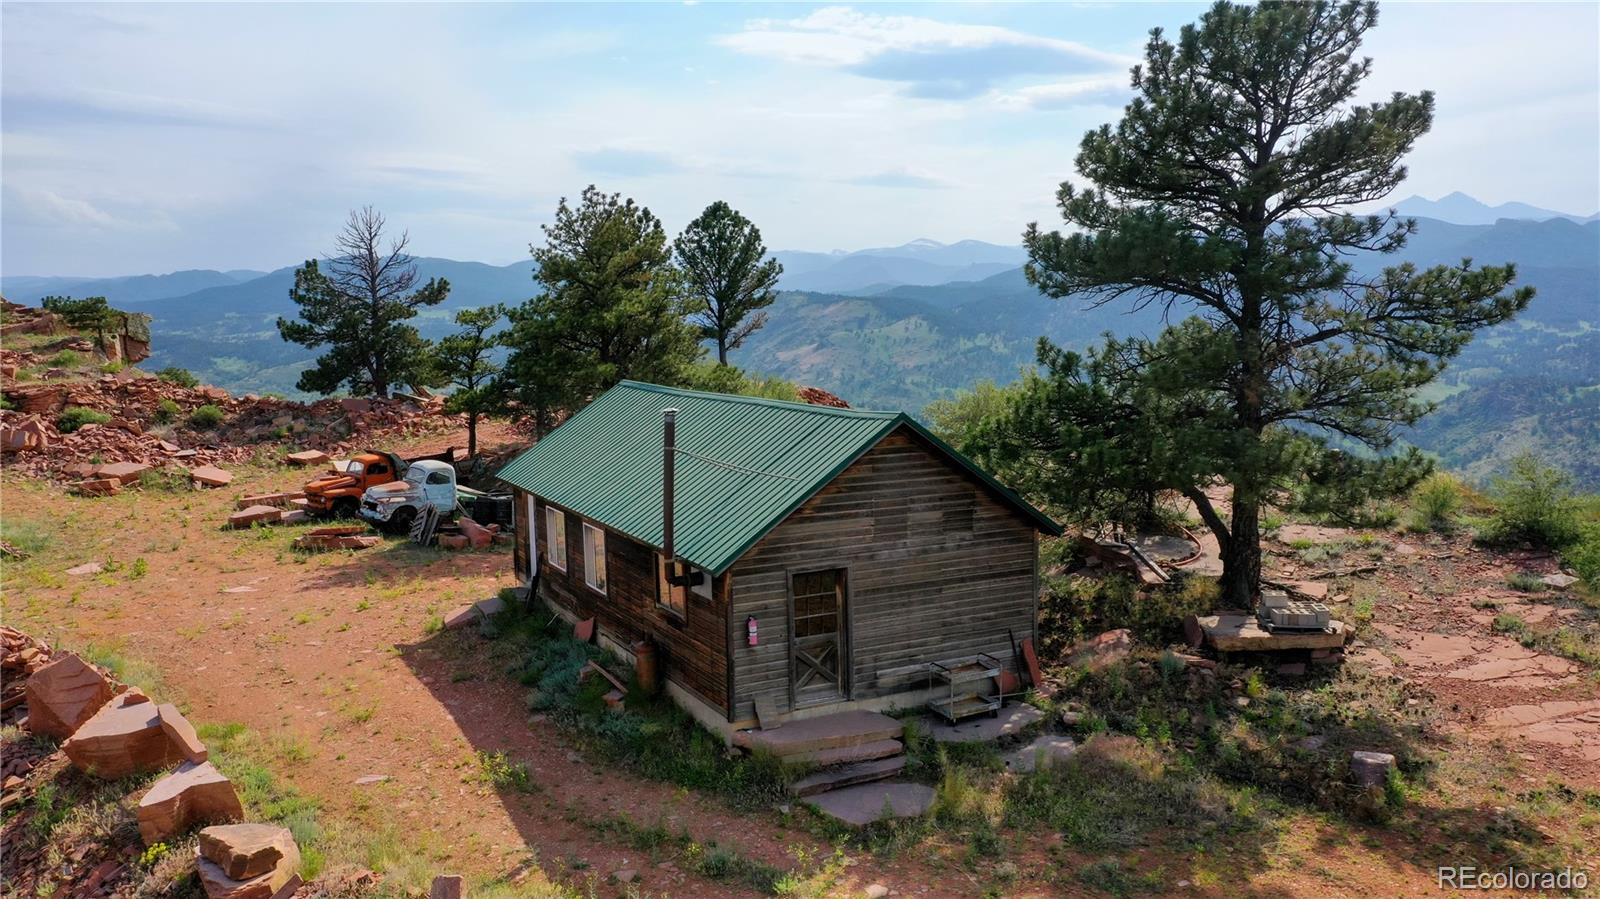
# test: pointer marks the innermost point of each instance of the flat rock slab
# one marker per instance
(194, 794)
(123, 738)
(123, 472)
(861, 805)
(1242, 633)
(1571, 724)
(307, 457)
(243, 851)
(1427, 650)
(251, 514)
(210, 476)
(86, 569)
(983, 729)
(1046, 750)
(822, 732)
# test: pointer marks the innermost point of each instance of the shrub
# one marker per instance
(67, 359)
(1584, 554)
(179, 376)
(1523, 582)
(166, 411)
(205, 417)
(1073, 608)
(1435, 502)
(74, 417)
(1534, 502)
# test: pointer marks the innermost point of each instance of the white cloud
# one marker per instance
(933, 59)
(1067, 94)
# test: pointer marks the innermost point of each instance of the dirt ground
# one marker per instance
(341, 653)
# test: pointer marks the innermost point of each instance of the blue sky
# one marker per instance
(153, 138)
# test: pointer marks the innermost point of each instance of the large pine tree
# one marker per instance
(612, 308)
(1226, 190)
(730, 278)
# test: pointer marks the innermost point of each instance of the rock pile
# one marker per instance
(143, 431)
(20, 656)
(112, 731)
(816, 396)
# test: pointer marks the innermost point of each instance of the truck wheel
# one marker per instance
(400, 521)
(345, 507)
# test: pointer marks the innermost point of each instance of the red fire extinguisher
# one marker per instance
(750, 628)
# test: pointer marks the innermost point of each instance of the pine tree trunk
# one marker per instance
(472, 435)
(1241, 555)
(722, 350)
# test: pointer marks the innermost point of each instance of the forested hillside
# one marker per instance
(1532, 382)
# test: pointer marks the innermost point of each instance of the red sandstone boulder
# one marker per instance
(123, 738)
(181, 733)
(194, 794)
(64, 694)
(248, 861)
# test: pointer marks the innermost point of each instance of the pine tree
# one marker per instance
(612, 308)
(1226, 189)
(463, 360)
(724, 262)
(359, 307)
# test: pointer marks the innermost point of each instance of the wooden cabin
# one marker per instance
(810, 558)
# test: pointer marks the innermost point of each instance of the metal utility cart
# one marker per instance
(967, 694)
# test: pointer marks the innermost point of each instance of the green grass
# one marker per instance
(651, 736)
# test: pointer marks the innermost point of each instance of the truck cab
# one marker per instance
(338, 491)
(394, 505)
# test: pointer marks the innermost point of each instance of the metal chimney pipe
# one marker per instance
(669, 445)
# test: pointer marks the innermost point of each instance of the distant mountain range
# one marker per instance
(898, 327)
(1460, 209)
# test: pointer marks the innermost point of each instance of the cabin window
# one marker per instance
(555, 537)
(594, 557)
(378, 468)
(438, 477)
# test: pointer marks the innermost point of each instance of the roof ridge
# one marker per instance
(802, 405)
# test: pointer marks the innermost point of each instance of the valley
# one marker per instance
(900, 327)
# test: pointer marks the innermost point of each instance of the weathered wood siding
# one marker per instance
(692, 651)
(938, 569)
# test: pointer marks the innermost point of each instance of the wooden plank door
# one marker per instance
(819, 643)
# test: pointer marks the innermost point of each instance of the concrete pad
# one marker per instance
(1048, 749)
(861, 805)
(1242, 633)
(983, 729)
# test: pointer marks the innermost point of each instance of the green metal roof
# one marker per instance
(605, 464)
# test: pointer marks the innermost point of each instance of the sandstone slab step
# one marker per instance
(844, 755)
(861, 805)
(841, 729)
(847, 775)
(194, 794)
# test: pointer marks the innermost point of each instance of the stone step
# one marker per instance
(847, 775)
(865, 803)
(839, 730)
(844, 755)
